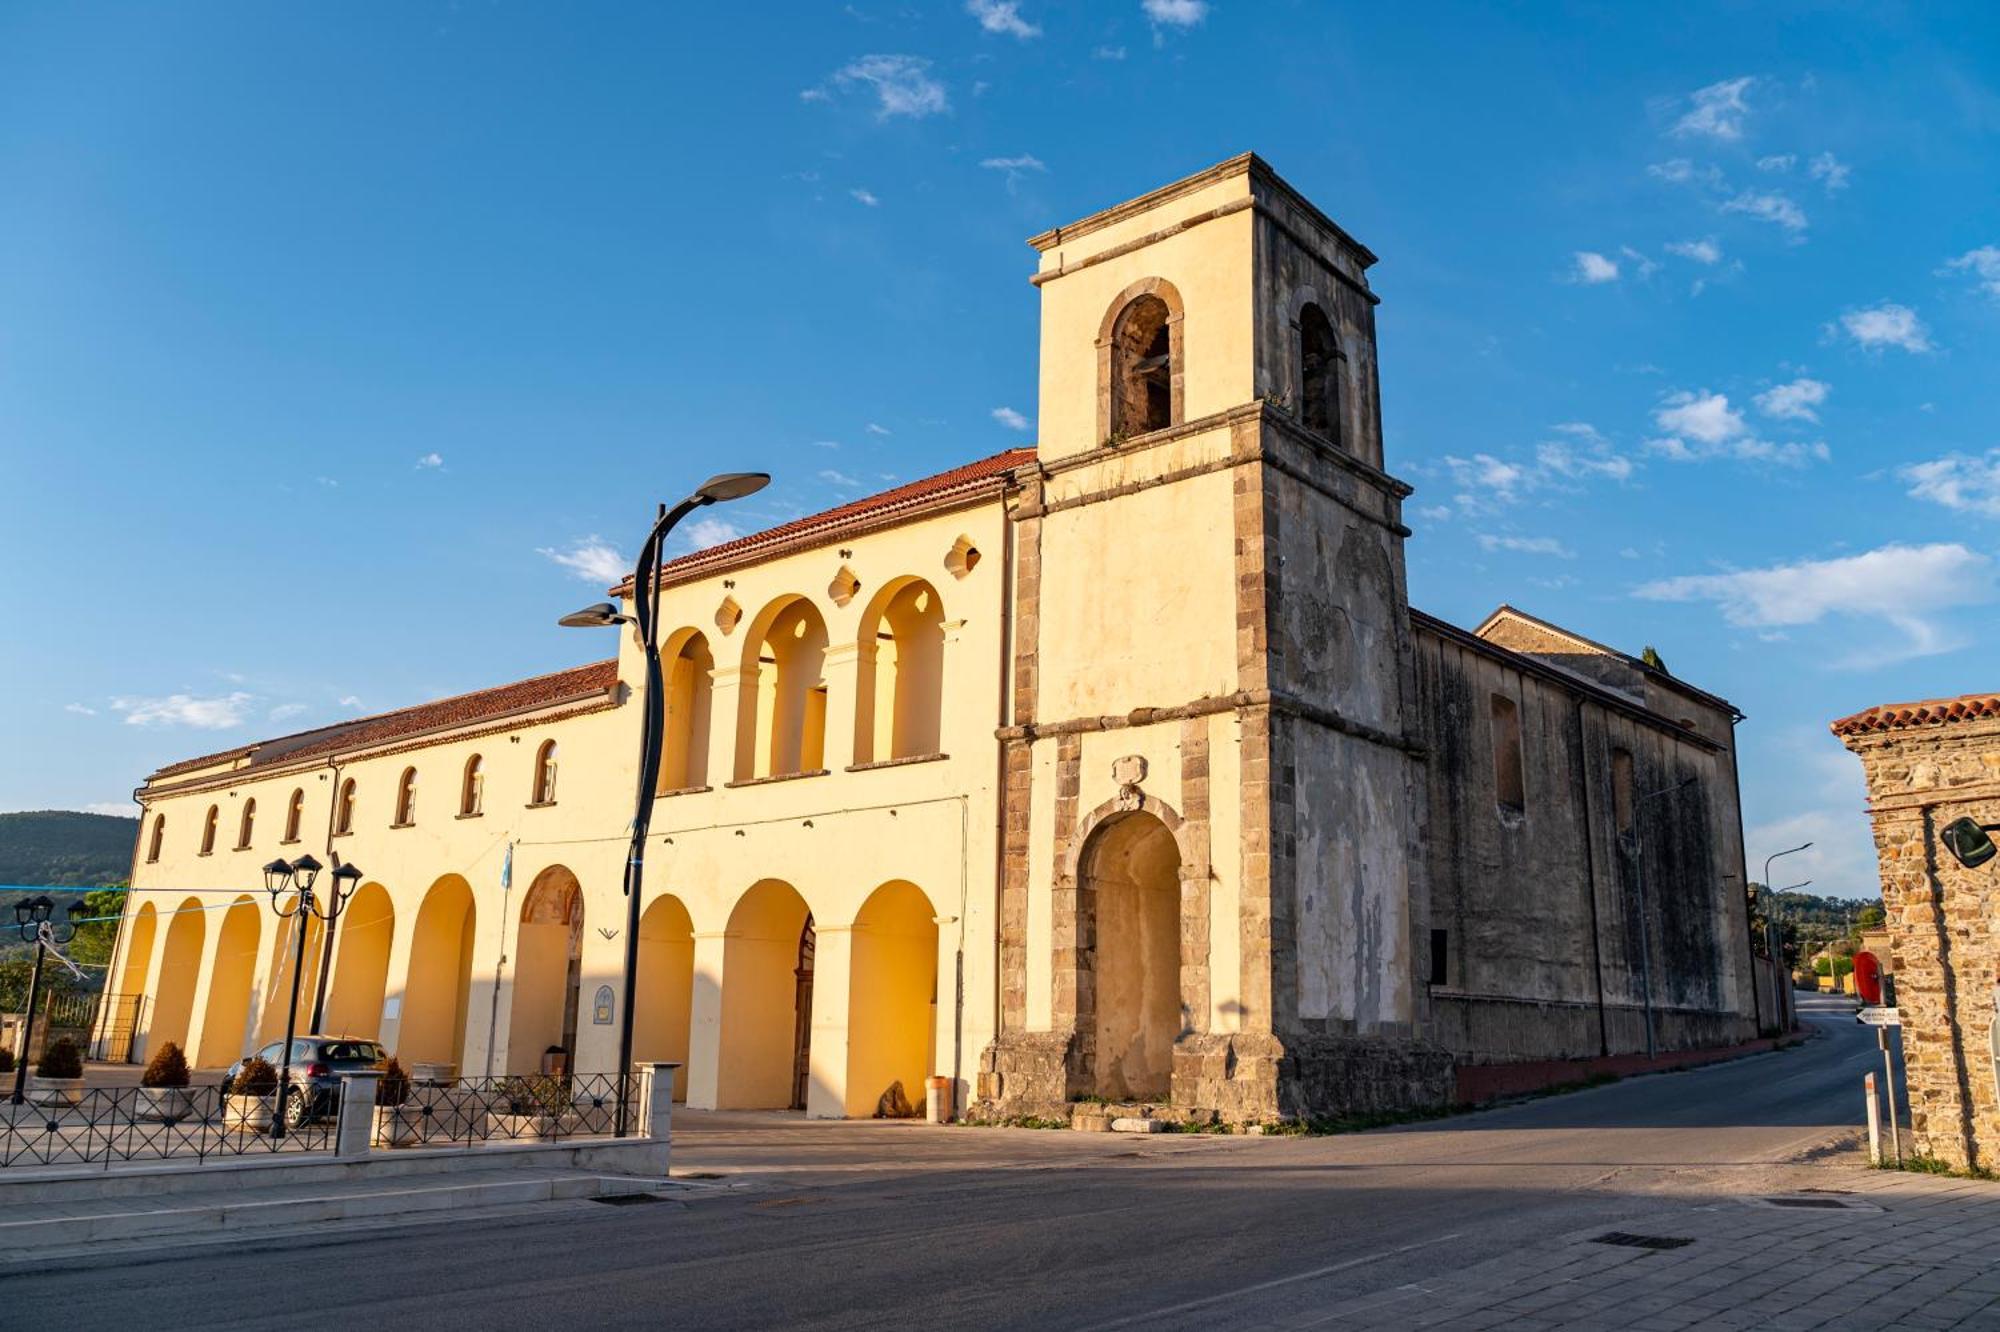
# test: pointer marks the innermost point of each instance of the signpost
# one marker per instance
(1879, 1017)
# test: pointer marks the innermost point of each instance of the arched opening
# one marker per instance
(225, 1022)
(278, 995)
(1142, 368)
(138, 950)
(159, 834)
(1129, 876)
(892, 996)
(766, 1000)
(208, 826)
(295, 814)
(246, 827)
(689, 682)
(900, 674)
(544, 790)
(1319, 373)
(360, 979)
(343, 808)
(406, 798)
(548, 971)
(781, 727)
(180, 971)
(439, 982)
(472, 788)
(665, 1002)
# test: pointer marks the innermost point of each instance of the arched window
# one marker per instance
(901, 674)
(295, 814)
(208, 829)
(545, 774)
(1142, 368)
(406, 798)
(781, 729)
(159, 832)
(689, 684)
(343, 808)
(246, 828)
(472, 789)
(1319, 373)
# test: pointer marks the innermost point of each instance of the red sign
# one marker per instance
(1868, 978)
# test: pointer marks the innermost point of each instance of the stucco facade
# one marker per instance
(1119, 767)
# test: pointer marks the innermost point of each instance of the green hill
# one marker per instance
(66, 849)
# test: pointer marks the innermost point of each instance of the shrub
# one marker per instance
(393, 1088)
(6, 1061)
(255, 1078)
(168, 1068)
(533, 1095)
(61, 1060)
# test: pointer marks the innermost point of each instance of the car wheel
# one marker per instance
(298, 1108)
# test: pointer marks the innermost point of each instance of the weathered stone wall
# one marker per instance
(1944, 949)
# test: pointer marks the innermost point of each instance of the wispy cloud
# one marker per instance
(1680, 171)
(1175, 13)
(1015, 167)
(431, 462)
(874, 429)
(1904, 587)
(1717, 111)
(902, 84)
(1704, 416)
(1958, 482)
(1592, 268)
(1002, 17)
(864, 197)
(1703, 426)
(834, 478)
(1526, 545)
(1795, 401)
(1770, 207)
(214, 713)
(1778, 162)
(286, 711)
(1983, 264)
(1704, 251)
(705, 532)
(591, 558)
(351, 702)
(80, 710)
(1010, 418)
(1886, 325)
(1108, 53)
(1830, 171)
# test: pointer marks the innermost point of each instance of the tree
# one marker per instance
(1651, 656)
(1869, 917)
(93, 943)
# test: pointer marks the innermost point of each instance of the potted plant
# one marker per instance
(527, 1109)
(397, 1122)
(555, 1062)
(58, 1075)
(249, 1096)
(163, 1087)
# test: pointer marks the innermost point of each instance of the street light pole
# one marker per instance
(298, 879)
(645, 623)
(32, 917)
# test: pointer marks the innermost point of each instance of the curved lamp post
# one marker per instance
(645, 621)
(32, 916)
(297, 879)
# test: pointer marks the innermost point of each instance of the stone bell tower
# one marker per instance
(1210, 894)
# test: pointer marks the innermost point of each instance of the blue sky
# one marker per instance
(407, 314)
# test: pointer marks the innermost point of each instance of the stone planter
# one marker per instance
(437, 1075)
(165, 1105)
(400, 1125)
(504, 1127)
(250, 1114)
(55, 1091)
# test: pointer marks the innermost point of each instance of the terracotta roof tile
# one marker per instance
(1928, 712)
(972, 476)
(458, 710)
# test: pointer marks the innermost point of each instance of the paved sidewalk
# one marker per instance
(1847, 1247)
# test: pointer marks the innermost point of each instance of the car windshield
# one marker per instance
(366, 1052)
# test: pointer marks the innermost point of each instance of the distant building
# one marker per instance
(1928, 764)
(1115, 767)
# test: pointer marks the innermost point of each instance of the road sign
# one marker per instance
(1879, 1017)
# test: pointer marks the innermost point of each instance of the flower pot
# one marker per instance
(504, 1127)
(165, 1105)
(251, 1114)
(434, 1074)
(55, 1091)
(400, 1125)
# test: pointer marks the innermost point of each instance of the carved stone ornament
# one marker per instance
(1128, 772)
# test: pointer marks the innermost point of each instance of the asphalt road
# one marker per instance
(876, 1224)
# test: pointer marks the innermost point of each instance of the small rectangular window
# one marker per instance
(1440, 940)
(1508, 786)
(1621, 790)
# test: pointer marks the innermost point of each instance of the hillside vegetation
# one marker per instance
(65, 848)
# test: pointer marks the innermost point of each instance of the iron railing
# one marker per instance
(113, 1124)
(517, 1108)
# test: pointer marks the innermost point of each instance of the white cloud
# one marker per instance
(1108, 53)
(1526, 545)
(1437, 513)
(705, 532)
(1984, 265)
(1564, 460)
(1830, 171)
(1774, 208)
(217, 713)
(350, 701)
(862, 196)
(592, 559)
(79, 709)
(1703, 426)
(1960, 483)
(832, 477)
(326, 481)
(1704, 251)
(1680, 171)
(1778, 162)
(902, 84)
(1705, 416)
(1025, 162)
(430, 462)
(1903, 587)
(1002, 16)
(1592, 268)
(1010, 418)
(117, 808)
(1175, 13)
(286, 711)
(1794, 401)
(1887, 325)
(826, 443)
(1484, 479)
(1717, 111)
(874, 429)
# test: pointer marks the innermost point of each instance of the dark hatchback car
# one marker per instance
(318, 1063)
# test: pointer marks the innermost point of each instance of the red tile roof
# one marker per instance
(968, 479)
(540, 691)
(1928, 712)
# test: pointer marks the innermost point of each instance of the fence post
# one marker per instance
(354, 1131)
(1874, 1121)
(656, 1099)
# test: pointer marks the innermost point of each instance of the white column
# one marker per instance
(833, 970)
(705, 1020)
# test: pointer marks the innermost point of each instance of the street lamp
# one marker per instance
(645, 625)
(297, 879)
(31, 916)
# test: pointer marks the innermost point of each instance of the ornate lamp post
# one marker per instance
(32, 915)
(645, 621)
(297, 879)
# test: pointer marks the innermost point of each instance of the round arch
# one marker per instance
(438, 985)
(226, 1018)
(1128, 888)
(548, 971)
(892, 996)
(899, 675)
(360, 980)
(688, 664)
(781, 708)
(284, 956)
(766, 1025)
(1122, 384)
(180, 970)
(138, 950)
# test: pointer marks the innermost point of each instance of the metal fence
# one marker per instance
(112, 1124)
(518, 1108)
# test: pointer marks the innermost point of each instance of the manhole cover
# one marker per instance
(1819, 1203)
(1625, 1241)
(1806, 1202)
(628, 1199)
